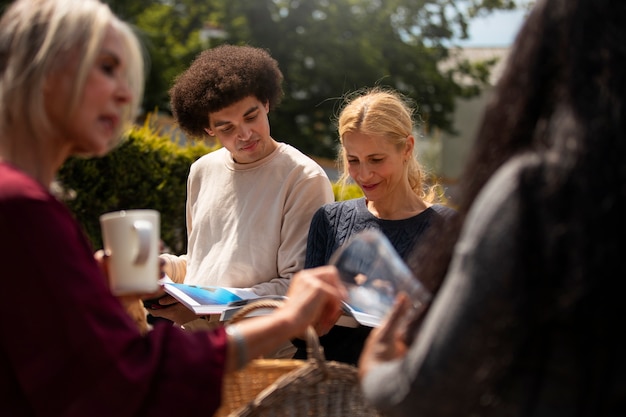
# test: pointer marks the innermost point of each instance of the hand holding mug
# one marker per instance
(131, 245)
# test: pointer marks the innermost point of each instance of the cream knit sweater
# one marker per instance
(247, 224)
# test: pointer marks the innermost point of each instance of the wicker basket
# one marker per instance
(243, 386)
(294, 388)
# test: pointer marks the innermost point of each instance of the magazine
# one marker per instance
(227, 301)
(207, 300)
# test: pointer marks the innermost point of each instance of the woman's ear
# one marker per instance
(409, 145)
(209, 132)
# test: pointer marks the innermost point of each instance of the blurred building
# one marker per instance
(444, 153)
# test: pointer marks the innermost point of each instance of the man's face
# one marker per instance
(243, 129)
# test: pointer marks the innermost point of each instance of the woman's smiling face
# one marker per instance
(375, 164)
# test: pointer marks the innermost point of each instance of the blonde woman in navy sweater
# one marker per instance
(377, 153)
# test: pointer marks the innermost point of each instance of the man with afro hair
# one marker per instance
(249, 203)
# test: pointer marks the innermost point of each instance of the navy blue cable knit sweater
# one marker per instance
(331, 226)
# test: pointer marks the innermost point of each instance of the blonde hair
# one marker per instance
(38, 37)
(387, 114)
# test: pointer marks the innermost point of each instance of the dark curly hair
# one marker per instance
(222, 76)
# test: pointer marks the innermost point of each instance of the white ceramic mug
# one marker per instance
(131, 238)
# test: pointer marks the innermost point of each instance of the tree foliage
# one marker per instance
(325, 48)
(171, 33)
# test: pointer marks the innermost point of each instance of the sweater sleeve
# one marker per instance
(175, 266)
(467, 335)
(307, 196)
(331, 226)
(70, 348)
(317, 241)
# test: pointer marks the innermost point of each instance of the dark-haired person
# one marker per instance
(250, 203)
(529, 318)
(71, 78)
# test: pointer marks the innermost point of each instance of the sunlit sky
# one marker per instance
(497, 29)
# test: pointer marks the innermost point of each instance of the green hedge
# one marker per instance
(346, 192)
(147, 170)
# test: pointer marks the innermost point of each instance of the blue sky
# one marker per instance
(497, 29)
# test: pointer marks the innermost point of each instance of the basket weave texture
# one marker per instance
(242, 386)
(294, 388)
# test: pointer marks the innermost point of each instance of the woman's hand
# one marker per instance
(102, 258)
(314, 298)
(132, 303)
(386, 342)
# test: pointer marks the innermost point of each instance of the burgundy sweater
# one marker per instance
(67, 346)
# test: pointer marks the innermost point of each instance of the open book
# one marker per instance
(209, 300)
(353, 318)
(226, 301)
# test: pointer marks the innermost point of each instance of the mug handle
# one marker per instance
(144, 234)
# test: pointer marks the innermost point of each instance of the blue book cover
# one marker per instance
(209, 299)
(207, 295)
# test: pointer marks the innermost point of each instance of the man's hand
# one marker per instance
(168, 307)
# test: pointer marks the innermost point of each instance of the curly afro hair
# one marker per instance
(220, 77)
